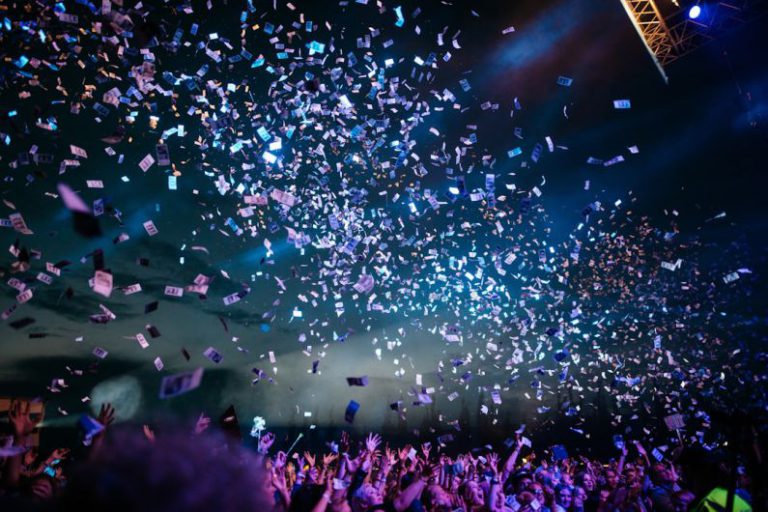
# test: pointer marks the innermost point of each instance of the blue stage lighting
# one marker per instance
(694, 12)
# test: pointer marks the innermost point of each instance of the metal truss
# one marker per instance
(669, 37)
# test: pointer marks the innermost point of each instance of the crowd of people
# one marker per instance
(134, 469)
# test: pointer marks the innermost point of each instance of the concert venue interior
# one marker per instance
(337, 255)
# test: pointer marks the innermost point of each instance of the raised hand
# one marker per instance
(372, 442)
(344, 443)
(310, 459)
(493, 463)
(402, 453)
(60, 453)
(278, 479)
(389, 458)
(328, 458)
(106, 414)
(203, 422)
(265, 442)
(20, 419)
(280, 460)
(425, 449)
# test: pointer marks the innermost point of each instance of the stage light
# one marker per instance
(694, 12)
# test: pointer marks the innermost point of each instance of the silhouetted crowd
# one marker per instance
(134, 469)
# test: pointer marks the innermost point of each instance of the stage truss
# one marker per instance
(670, 34)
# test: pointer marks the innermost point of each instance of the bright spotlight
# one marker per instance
(694, 12)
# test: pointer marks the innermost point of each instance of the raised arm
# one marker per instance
(322, 505)
(405, 497)
(106, 418)
(494, 503)
(642, 453)
(278, 479)
(387, 461)
(509, 465)
(23, 425)
(620, 467)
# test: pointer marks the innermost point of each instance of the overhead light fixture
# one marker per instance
(694, 12)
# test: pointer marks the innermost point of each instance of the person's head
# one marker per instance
(566, 479)
(526, 499)
(438, 500)
(522, 482)
(579, 496)
(563, 496)
(660, 474)
(130, 474)
(473, 494)
(537, 490)
(40, 489)
(367, 496)
(611, 479)
(586, 481)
